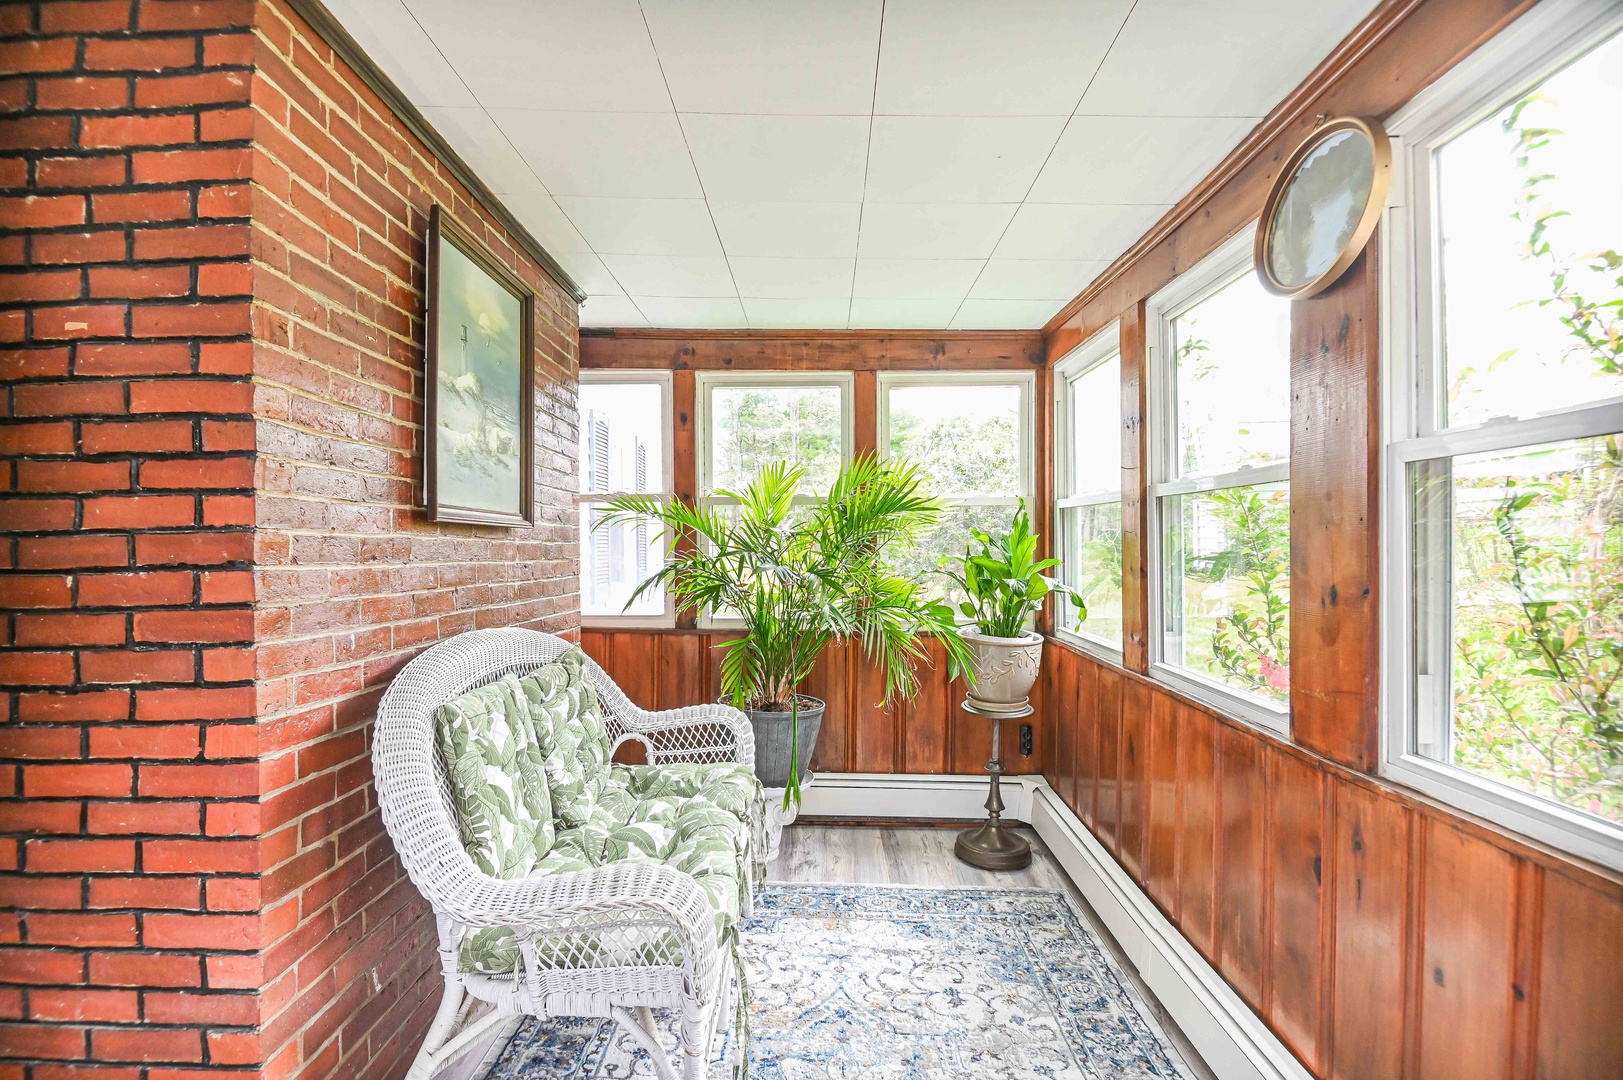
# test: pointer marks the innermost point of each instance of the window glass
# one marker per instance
(964, 438)
(1231, 380)
(1522, 552)
(753, 426)
(1529, 205)
(1092, 546)
(1226, 587)
(622, 433)
(1094, 401)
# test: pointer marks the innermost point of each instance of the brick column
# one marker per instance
(130, 919)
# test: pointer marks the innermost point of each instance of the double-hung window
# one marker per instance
(1087, 488)
(746, 420)
(1219, 488)
(970, 434)
(1503, 478)
(625, 440)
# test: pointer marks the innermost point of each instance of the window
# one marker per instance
(1219, 488)
(747, 420)
(970, 436)
(1087, 487)
(1504, 475)
(624, 449)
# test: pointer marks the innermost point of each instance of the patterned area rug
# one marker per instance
(881, 982)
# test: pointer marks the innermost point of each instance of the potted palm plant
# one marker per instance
(1004, 584)
(800, 578)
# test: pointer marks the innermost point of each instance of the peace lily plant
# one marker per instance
(1004, 585)
(800, 578)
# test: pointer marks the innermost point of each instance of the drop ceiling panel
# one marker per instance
(792, 58)
(871, 163)
(964, 58)
(643, 226)
(971, 159)
(606, 155)
(779, 158)
(587, 55)
(792, 279)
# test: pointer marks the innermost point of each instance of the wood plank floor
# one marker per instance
(908, 855)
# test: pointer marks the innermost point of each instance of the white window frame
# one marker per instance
(707, 382)
(1230, 262)
(583, 500)
(1079, 362)
(1025, 381)
(1547, 38)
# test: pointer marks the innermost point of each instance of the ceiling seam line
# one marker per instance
(705, 195)
(867, 158)
(1049, 156)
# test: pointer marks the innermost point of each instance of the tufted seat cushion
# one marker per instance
(693, 817)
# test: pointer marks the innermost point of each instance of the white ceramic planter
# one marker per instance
(1005, 669)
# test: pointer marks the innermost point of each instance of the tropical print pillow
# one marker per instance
(568, 726)
(497, 780)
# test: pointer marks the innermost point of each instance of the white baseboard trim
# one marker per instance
(1232, 1039)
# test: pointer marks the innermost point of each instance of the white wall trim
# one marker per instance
(1221, 1027)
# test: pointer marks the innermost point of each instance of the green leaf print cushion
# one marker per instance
(497, 783)
(569, 728)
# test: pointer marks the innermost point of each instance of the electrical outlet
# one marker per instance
(1025, 740)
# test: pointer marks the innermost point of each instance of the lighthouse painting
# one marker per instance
(479, 384)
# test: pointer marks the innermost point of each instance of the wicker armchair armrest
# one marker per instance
(698, 733)
(612, 915)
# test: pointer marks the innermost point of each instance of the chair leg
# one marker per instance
(646, 1038)
(426, 1064)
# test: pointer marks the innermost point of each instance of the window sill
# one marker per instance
(1097, 647)
(1276, 720)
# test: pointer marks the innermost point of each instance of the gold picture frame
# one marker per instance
(1297, 254)
(479, 384)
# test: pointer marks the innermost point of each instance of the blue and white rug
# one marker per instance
(896, 983)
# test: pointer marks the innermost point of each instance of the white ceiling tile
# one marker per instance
(720, 312)
(672, 275)
(612, 155)
(538, 213)
(1144, 159)
(867, 314)
(1054, 231)
(399, 45)
(779, 158)
(916, 279)
(932, 230)
(590, 55)
(1034, 279)
(788, 229)
(792, 279)
(805, 56)
(609, 310)
(971, 158)
(1197, 58)
(589, 273)
(969, 58)
(643, 226)
(475, 136)
(1005, 314)
(797, 314)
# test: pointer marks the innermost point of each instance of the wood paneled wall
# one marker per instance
(1382, 937)
(929, 733)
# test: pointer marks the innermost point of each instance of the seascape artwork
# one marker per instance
(480, 404)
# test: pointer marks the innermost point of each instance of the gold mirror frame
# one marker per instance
(1380, 183)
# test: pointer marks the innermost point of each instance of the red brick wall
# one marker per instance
(352, 581)
(210, 343)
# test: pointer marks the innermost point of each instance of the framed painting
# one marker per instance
(479, 388)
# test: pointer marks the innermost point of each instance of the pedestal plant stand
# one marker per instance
(991, 846)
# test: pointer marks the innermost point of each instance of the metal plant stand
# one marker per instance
(991, 846)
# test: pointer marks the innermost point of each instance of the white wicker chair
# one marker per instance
(614, 941)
